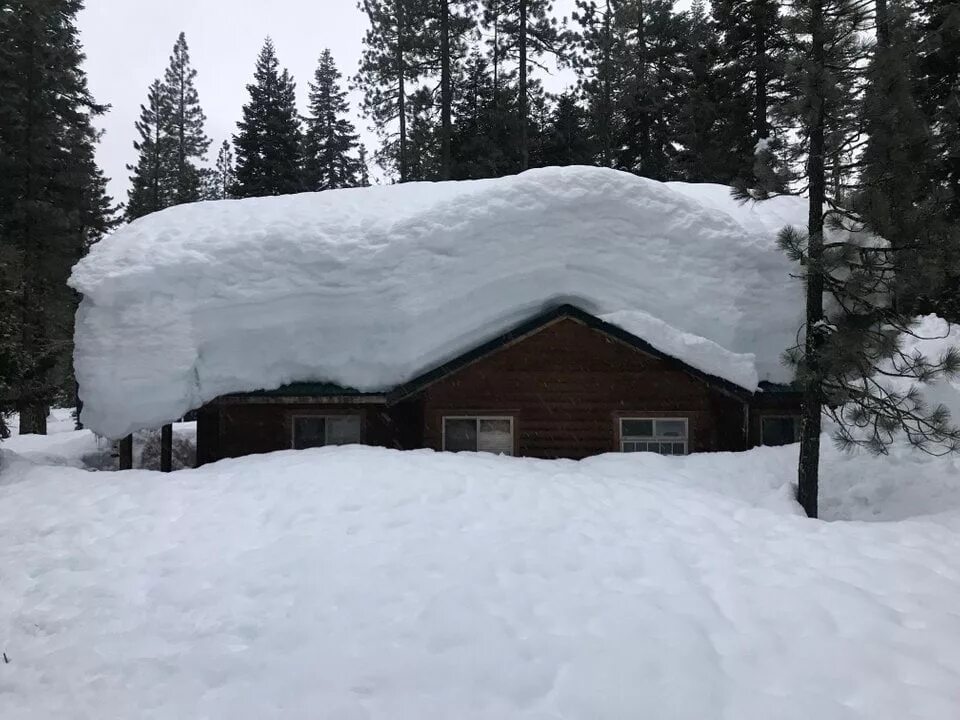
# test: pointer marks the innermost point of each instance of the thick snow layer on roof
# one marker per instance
(698, 352)
(369, 287)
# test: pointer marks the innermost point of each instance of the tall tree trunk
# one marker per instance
(445, 94)
(808, 470)
(401, 91)
(883, 23)
(760, 30)
(522, 30)
(606, 91)
(642, 90)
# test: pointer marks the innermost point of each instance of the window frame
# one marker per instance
(478, 418)
(653, 438)
(796, 427)
(324, 416)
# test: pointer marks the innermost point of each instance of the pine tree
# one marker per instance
(851, 346)
(526, 30)
(566, 138)
(702, 130)
(330, 138)
(52, 199)
(389, 66)
(599, 69)
(485, 128)
(268, 142)
(222, 180)
(186, 124)
(363, 178)
(752, 46)
(150, 187)
(650, 88)
(423, 137)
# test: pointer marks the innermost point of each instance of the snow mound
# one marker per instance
(365, 583)
(698, 352)
(370, 287)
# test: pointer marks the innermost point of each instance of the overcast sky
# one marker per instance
(128, 44)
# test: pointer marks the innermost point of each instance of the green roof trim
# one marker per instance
(307, 389)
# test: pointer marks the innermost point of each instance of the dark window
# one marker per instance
(779, 430)
(483, 434)
(667, 436)
(319, 430)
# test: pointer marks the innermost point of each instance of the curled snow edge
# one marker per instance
(369, 287)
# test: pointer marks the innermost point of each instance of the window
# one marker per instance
(478, 434)
(779, 429)
(667, 436)
(319, 430)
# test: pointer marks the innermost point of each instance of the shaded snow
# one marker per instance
(361, 583)
(369, 287)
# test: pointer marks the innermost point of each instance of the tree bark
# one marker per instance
(808, 471)
(522, 89)
(166, 448)
(401, 92)
(883, 23)
(445, 93)
(33, 419)
(126, 453)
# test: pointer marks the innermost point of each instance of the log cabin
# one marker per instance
(564, 384)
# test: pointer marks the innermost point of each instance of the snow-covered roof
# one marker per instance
(370, 287)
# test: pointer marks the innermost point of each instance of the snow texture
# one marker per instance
(360, 583)
(369, 287)
(698, 352)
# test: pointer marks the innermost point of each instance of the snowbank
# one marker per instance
(359, 583)
(369, 287)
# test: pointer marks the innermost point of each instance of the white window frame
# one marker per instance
(324, 417)
(477, 418)
(654, 438)
(796, 426)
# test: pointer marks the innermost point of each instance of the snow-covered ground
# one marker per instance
(360, 583)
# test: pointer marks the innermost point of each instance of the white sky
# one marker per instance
(128, 43)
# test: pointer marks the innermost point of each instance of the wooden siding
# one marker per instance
(566, 385)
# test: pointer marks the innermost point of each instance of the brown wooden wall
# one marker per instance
(566, 384)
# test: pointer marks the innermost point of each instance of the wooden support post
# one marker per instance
(126, 453)
(166, 448)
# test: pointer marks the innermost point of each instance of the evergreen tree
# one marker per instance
(189, 140)
(851, 345)
(423, 137)
(330, 138)
(566, 137)
(223, 178)
(648, 102)
(150, 187)
(752, 46)
(702, 129)
(268, 141)
(389, 66)
(525, 30)
(363, 177)
(599, 69)
(485, 129)
(52, 199)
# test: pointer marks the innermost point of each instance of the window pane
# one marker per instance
(343, 430)
(496, 437)
(308, 432)
(679, 449)
(636, 428)
(460, 434)
(671, 428)
(777, 430)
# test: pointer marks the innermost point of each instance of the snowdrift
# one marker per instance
(369, 287)
(361, 583)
